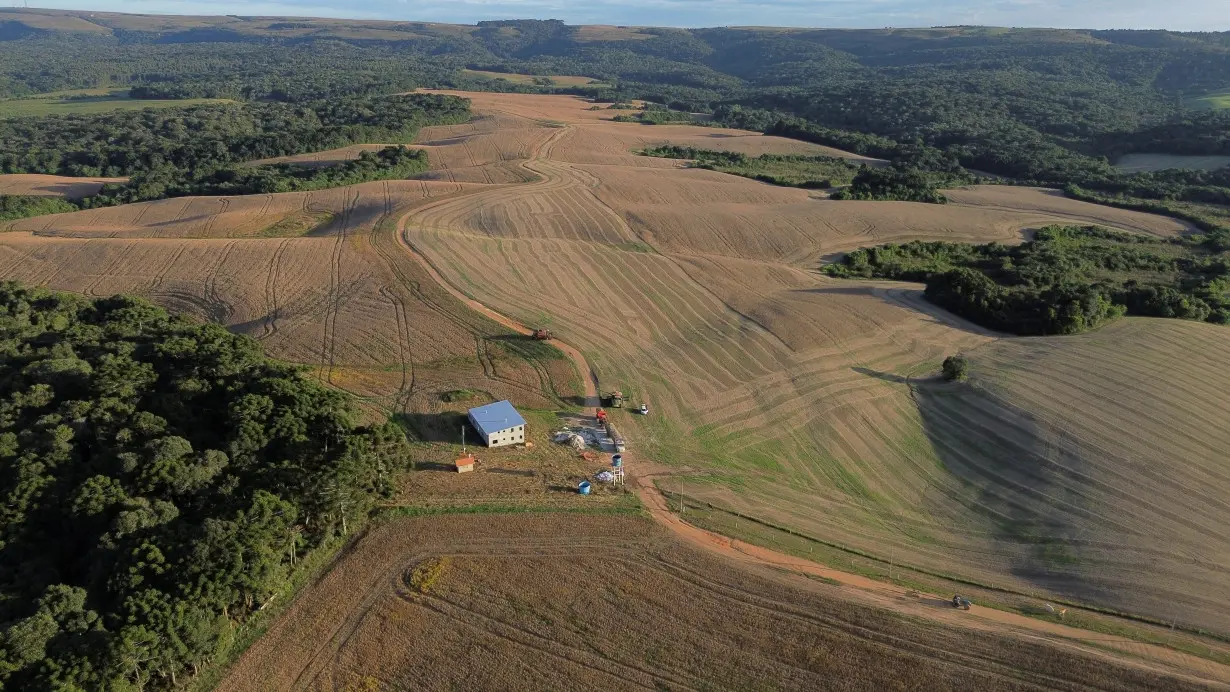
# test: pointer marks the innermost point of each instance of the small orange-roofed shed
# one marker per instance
(465, 464)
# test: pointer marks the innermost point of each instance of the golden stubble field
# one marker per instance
(800, 400)
(311, 275)
(775, 391)
(533, 602)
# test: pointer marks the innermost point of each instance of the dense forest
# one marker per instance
(200, 150)
(160, 480)
(200, 138)
(1066, 280)
(390, 163)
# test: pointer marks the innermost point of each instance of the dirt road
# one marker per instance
(884, 595)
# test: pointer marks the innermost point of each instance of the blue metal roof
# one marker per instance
(493, 418)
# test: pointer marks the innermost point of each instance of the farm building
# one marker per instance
(498, 424)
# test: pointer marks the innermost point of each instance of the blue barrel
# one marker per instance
(617, 460)
(583, 488)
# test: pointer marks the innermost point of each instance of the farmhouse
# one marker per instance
(498, 424)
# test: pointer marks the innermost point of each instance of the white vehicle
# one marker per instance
(644, 409)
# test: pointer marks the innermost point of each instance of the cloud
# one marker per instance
(1192, 15)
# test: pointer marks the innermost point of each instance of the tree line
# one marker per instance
(788, 170)
(1067, 279)
(160, 482)
(389, 163)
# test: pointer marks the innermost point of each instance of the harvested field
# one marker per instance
(549, 602)
(780, 393)
(557, 80)
(355, 208)
(332, 157)
(36, 185)
(1054, 205)
(341, 298)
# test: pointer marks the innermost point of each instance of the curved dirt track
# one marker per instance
(884, 595)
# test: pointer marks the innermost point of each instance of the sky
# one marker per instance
(1183, 15)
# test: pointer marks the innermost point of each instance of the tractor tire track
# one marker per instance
(328, 347)
(269, 326)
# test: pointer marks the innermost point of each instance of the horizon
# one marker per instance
(1181, 15)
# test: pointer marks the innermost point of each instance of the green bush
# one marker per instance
(956, 368)
(21, 206)
(893, 184)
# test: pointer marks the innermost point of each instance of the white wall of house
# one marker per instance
(514, 435)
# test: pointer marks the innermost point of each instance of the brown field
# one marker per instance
(1061, 209)
(775, 391)
(604, 32)
(36, 185)
(50, 20)
(531, 602)
(331, 157)
(339, 295)
(782, 391)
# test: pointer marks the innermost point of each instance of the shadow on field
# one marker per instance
(434, 466)
(437, 427)
(362, 214)
(841, 290)
(886, 376)
(1019, 481)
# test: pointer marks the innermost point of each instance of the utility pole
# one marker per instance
(681, 496)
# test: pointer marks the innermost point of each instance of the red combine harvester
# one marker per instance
(541, 334)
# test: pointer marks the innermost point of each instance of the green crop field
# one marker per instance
(557, 80)
(1217, 101)
(85, 101)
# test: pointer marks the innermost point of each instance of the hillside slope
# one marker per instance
(782, 392)
(775, 391)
